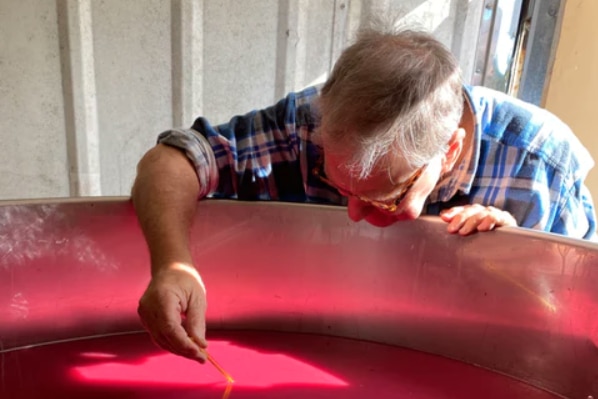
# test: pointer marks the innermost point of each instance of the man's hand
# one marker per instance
(173, 309)
(468, 219)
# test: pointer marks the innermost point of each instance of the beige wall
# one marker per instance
(573, 85)
(86, 85)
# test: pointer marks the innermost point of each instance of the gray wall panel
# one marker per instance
(133, 63)
(33, 149)
(86, 85)
(316, 40)
(239, 56)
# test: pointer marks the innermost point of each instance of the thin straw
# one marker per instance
(229, 387)
(218, 367)
(226, 375)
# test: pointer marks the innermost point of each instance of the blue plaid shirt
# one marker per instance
(524, 160)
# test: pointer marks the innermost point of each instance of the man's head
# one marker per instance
(390, 119)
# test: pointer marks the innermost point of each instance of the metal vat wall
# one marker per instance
(513, 301)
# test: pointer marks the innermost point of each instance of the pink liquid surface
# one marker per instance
(263, 364)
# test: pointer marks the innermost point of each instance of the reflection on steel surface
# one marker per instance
(514, 301)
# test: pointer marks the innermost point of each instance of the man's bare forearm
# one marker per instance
(165, 198)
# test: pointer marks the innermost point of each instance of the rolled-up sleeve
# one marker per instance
(262, 155)
(199, 152)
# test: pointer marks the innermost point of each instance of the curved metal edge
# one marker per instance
(518, 231)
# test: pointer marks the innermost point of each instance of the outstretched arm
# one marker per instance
(165, 197)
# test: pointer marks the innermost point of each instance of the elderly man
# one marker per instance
(392, 134)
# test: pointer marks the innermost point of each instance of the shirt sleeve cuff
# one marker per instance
(197, 148)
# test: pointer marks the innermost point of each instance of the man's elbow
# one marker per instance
(166, 166)
(159, 162)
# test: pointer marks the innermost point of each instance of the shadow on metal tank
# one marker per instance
(513, 301)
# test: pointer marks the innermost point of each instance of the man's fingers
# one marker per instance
(161, 316)
(169, 324)
(471, 222)
(195, 328)
(448, 214)
(172, 310)
(458, 220)
(459, 216)
(471, 218)
(195, 325)
(487, 224)
(162, 342)
(181, 343)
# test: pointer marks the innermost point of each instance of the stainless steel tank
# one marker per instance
(514, 301)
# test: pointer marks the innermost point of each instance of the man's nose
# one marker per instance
(357, 210)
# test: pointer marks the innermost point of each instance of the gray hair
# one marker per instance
(393, 92)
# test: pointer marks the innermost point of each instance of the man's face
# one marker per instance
(367, 198)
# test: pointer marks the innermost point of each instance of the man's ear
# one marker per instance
(455, 148)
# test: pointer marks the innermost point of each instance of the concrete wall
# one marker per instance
(86, 85)
(32, 129)
(573, 85)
